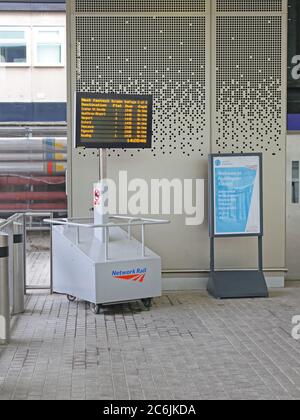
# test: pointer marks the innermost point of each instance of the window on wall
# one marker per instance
(49, 47)
(14, 46)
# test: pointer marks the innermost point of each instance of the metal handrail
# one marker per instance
(75, 223)
(10, 221)
(131, 222)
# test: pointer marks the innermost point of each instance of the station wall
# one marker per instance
(217, 70)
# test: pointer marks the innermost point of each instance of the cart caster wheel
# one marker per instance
(96, 309)
(71, 298)
(147, 303)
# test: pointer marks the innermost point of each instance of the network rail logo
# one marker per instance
(133, 276)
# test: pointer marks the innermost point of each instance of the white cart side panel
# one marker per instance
(141, 280)
(73, 272)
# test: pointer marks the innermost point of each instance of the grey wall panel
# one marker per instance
(249, 109)
(86, 174)
(249, 85)
(167, 52)
(293, 207)
(182, 247)
(166, 56)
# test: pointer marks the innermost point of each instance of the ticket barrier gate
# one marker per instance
(12, 273)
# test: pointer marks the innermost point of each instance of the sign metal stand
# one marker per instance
(235, 283)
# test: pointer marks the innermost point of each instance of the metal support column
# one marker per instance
(212, 254)
(4, 291)
(260, 254)
(18, 306)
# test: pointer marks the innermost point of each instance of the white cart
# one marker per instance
(118, 269)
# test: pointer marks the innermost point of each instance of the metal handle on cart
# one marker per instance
(129, 222)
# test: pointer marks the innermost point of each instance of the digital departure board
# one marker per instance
(111, 121)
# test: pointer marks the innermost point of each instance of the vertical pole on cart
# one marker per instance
(143, 241)
(4, 291)
(100, 194)
(106, 243)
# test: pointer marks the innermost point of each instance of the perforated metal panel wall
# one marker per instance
(249, 84)
(249, 5)
(140, 6)
(216, 69)
(249, 105)
(167, 60)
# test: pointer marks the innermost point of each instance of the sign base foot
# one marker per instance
(237, 285)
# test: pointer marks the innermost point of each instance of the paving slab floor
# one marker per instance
(189, 346)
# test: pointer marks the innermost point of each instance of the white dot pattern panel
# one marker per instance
(249, 5)
(164, 57)
(103, 6)
(249, 94)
